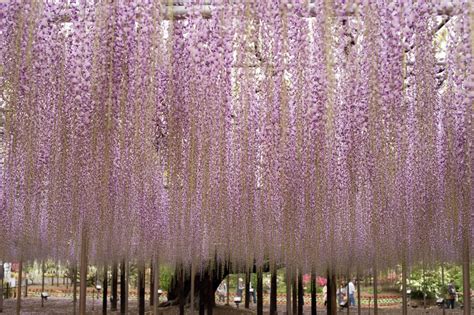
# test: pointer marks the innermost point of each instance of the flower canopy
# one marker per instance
(310, 133)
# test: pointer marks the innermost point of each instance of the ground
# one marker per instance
(56, 305)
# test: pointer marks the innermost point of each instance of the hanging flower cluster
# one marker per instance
(310, 133)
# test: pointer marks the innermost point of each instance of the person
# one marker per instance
(240, 287)
(351, 289)
(325, 294)
(342, 295)
(451, 295)
(222, 291)
(252, 293)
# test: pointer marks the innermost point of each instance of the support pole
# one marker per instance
(376, 311)
(210, 295)
(181, 290)
(273, 292)
(192, 288)
(228, 290)
(113, 303)
(259, 292)
(74, 288)
(141, 288)
(404, 289)
(18, 288)
(2, 275)
(123, 288)
(26, 285)
(313, 293)
(104, 291)
(300, 293)
(288, 291)
(156, 275)
(247, 290)
(359, 300)
(152, 285)
(83, 277)
(42, 282)
(466, 281)
(294, 293)
(331, 294)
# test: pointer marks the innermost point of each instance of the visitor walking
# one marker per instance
(451, 294)
(351, 289)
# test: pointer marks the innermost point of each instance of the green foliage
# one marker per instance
(166, 273)
(429, 281)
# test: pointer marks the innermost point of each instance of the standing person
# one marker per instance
(451, 294)
(240, 287)
(351, 288)
(252, 292)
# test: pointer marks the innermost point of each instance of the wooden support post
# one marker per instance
(113, 303)
(192, 288)
(247, 290)
(202, 294)
(294, 293)
(300, 293)
(141, 288)
(83, 276)
(259, 292)
(26, 285)
(74, 288)
(288, 291)
(331, 294)
(2, 275)
(359, 300)
(181, 290)
(123, 288)
(347, 295)
(313, 294)
(228, 290)
(156, 276)
(210, 295)
(104, 291)
(273, 292)
(18, 288)
(466, 281)
(404, 289)
(152, 285)
(376, 310)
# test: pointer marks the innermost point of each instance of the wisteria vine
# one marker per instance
(311, 133)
